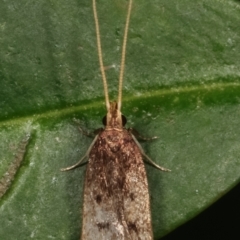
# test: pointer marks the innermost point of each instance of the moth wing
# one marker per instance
(116, 197)
(136, 205)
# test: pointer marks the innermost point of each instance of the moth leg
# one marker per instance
(91, 134)
(154, 164)
(80, 162)
(76, 165)
(148, 158)
(88, 134)
(139, 136)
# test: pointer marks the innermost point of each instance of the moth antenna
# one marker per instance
(124, 55)
(99, 47)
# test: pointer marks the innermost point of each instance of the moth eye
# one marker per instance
(124, 120)
(104, 120)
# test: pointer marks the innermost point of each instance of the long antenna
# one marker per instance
(104, 79)
(124, 55)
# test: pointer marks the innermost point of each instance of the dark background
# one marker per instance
(221, 221)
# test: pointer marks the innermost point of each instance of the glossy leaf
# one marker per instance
(181, 84)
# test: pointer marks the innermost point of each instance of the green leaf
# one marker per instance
(181, 83)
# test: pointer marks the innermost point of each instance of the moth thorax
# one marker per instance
(114, 117)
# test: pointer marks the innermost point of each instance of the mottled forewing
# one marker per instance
(116, 197)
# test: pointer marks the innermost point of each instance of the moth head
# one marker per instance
(114, 117)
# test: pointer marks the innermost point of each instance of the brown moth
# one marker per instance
(116, 198)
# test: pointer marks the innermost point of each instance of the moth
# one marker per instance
(116, 197)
